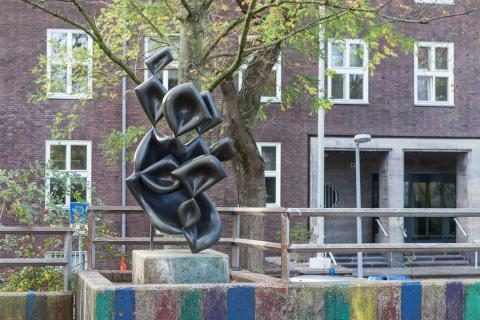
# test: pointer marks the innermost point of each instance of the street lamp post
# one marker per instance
(358, 139)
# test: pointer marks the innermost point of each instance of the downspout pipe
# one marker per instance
(124, 157)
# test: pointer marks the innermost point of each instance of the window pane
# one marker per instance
(441, 89)
(356, 86)
(78, 158)
(175, 45)
(58, 44)
(338, 50)
(424, 88)
(451, 227)
(172, 78)
(153, 46)
(419, 227)
(78, 189)
(80, 47)
(356, 55)
(270, 187)
(435, 195)
(424, 58)
(269, 155)
(441, 58)
(449, 195)
(57, 191)
(80, 78)
(337, 86)
(58, 156)
(79, 41)
(419, 190)
(270, 87)
(58, 78)
(435, 227)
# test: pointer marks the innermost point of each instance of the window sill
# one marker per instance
(270, 100)
(69, 96)
(272, 205)
(350, 102)
(433, 104)
(439, 2)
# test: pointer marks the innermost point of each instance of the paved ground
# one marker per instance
(425, 272)
(272, 267)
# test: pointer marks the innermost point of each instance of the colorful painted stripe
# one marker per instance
(411, 301)
(241, 303)
(454, 301)
(124, 304)
(337, 306)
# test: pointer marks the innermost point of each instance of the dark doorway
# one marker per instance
(430, 191)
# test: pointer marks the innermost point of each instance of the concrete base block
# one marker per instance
(179, 266)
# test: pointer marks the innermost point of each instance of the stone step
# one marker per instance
(349, 255)
(438, 254)
(353, 265)
(439, 258)
(438, 263)
(341, 261)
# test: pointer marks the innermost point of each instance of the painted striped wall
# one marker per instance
(374, 300)
(36, 306)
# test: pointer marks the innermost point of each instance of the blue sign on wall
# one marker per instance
(78, 213)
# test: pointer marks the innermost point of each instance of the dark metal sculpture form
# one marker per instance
(170, 178)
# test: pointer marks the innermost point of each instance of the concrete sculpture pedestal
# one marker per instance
(179, 266)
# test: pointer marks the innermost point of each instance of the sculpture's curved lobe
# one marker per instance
(170, 178)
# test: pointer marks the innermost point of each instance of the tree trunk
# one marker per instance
(191, 45)
(242, 108)
(249, 172)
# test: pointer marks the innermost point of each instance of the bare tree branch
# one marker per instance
(101, 43)
(149, 22)
(187, 7)
(377, 10)
(269, 44)
(59, 16)
(243, 41)
(427, 20)
(229, 28)
(242, 6)
(206, 4)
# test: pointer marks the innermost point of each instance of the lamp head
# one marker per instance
(362, 138)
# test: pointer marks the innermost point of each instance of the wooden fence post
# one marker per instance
(235, 235)
(284, 245)
(91, 241)
(67, 254)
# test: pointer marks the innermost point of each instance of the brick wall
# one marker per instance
(391, 111)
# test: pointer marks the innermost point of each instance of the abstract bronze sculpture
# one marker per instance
(170, 177)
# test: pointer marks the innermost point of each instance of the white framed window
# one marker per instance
(272, 90)
(451, 2)
(348, 62)
(271, 154)
(170, 73)
(69, 173)
(79, 259)
(433, 65)
(69, 64)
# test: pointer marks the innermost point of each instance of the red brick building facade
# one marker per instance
(423, 135)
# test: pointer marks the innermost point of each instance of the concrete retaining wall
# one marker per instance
(36, 306)
(412, 300)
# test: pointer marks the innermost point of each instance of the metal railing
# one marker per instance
(65, 262)
(284, 246)
(93, 239)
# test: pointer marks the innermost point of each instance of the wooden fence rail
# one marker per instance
(65, 262)
(285, 247)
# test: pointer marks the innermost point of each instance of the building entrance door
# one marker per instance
(430, 191)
